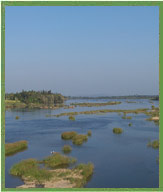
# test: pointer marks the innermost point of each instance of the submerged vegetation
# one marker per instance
(34, 99)
(13, 148)
(96, 104)
(154, 144)
(66, 149)
(117, 130)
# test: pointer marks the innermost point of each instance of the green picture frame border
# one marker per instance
(81, 3)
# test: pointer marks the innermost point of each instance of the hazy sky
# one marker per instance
(83, 50)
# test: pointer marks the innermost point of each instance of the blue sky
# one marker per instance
(83, 50)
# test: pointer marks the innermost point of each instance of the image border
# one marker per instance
(81, 3)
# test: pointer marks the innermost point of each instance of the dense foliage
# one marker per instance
(38, 97)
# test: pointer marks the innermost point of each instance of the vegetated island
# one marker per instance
(13, 148)
(96, 104)
(53, 174)
(34, 99)
(152, 113)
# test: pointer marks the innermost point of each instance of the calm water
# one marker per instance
(120, 160)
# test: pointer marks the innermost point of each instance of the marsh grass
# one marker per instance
(79, 139)
(66, 149)
(29, 168)
(57, 161)
(96, 104)
(68, 135)
(89, 133)
(136, 111)
(126, 117)
(117, 130)
(72, 118)
(17, 117)
(13, 148)
(154, 144)
(86, 170)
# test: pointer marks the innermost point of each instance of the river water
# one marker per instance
(121, 161)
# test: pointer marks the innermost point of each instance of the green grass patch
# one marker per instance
(13, 148)
(66, 149)
(137, 111)
(117, 130)
(126, 117)
(68, 135)
(57, 161)
(72, 118)
(79, 139)
(154, 144)
(29, 168)
(86, 170)
(96, 104)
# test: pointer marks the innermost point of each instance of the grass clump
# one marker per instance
(79, 139)
(86, 170)
(17, 117)
(72, 118)
(126, 117)
(130, 124)
(13, 148)
(29, 168)
(68, 135)
(66, 149)
(154, 144)
(57, 160)
(117, 130)
(89, 133)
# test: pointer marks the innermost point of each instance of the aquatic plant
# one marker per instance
(72, 118)
(126, 117)
(13, 148)
(66, 149)
(89, 133)
(79, 139)
(57, 160)
(68, 135)
(143, 110)
(29, 168)
(117, 130)
(96, 104)
(154, 144)
(17, 117)
(130, 124)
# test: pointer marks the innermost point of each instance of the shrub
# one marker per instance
(66, 149)
(89, 133)
(68, 135)
(117, 130)
(13, 148)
